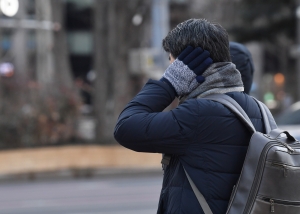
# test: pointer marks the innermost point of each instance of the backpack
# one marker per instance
(270, 177)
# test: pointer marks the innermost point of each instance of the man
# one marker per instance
(202, 136)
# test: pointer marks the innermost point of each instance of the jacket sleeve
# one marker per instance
(143, 127)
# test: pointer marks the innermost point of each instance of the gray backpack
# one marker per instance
(270, 177)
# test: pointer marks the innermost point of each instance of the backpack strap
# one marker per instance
(268, 119)
(234, 107)
(226, 100)
(204, 205)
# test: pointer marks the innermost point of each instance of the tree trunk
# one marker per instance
(101, 67)
(115, 35)
(44, 59)
(19, 48)
(63, 72)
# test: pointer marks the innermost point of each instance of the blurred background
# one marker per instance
(68, 68)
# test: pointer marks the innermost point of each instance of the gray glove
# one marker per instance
(184, 74)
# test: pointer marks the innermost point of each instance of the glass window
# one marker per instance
(80, 42)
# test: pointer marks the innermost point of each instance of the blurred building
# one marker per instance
(79, 27)
(108, 55)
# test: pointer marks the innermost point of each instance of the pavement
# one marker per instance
(99, 195)
(75, 161)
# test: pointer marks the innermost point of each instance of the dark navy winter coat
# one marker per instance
(202, 135)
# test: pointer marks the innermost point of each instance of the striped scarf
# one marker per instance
(220, 78)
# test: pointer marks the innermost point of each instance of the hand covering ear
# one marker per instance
(184, 74)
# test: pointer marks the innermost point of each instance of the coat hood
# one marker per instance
(242, 58)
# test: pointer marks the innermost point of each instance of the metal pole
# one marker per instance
(298, 55)
(160, 21)
(44, 58)
(19, 49)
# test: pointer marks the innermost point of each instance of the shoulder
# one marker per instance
(204, 107)
(247, 102)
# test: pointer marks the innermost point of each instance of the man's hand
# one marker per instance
(184, 74)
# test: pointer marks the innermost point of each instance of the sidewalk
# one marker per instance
(74, 161)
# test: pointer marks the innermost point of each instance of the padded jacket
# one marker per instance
(202, 135)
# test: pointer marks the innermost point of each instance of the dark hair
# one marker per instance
(198, 33)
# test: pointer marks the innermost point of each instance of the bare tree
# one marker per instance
(101, 65)
(62, 68)
(115, 35)
(45, 43)
(19, 48)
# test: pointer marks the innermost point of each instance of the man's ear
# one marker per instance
(171, 58)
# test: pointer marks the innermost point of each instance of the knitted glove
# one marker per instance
(184, 74)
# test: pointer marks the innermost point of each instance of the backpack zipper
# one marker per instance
(272, 206)
(290, 149)
(273, 201)
(259, 173)
(285, 167)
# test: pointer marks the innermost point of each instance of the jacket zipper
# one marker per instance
(273, 201)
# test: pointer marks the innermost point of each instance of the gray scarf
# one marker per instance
(220, 78)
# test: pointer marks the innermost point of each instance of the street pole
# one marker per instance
(45, 42)
(101, 66)
(160, 16)
(298, 55)
(19, 49)
(160, 21)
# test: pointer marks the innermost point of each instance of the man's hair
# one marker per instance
(199, 33)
